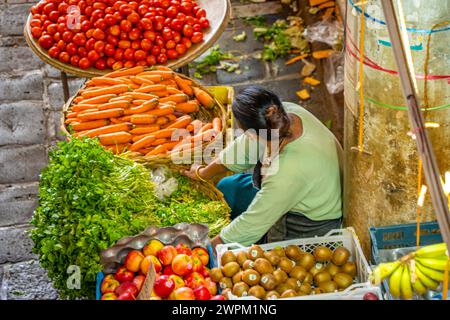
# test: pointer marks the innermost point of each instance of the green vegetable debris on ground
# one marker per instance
(215, 59)
(89, 199)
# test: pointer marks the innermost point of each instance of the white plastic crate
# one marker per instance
(333, 239)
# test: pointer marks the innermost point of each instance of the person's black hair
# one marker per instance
(258, 108)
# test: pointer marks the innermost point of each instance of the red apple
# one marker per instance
(197, 264)
(108, 277)
(179, 282)
(182, 264)
(183, 293)
(164, 286)
(370, 296)
(218, 297)
(194, 280)
(211, 285)
(133, 260)
(127, 287)
(205, 272)
(182, 248)
(202, 293)
(152, 247)
(123, 275)
(109, 296)
(126, 296)
(203, 254)
(168, 270)
(166, 255)
(145, 264)
(109, 285)
(138, 281)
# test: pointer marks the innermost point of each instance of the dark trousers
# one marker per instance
(238, 191)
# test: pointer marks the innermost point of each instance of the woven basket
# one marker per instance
(205, 115)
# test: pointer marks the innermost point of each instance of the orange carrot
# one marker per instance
(327, 4)
(144, 151)
(205, 135)
(169, 82)
(297, 58)
(170, 145)
(125, 118)
(181, 122)
(87, 111)
(78, 99)
(118, 148)
(145, 130)
(163, 73)
(100, 99)
(152, 77)
(104, 114)
(162, 68)
(187, 107)
(79, 133)
(143, 119)
(162, 121)
(172, 90)
(142, 143)
(178, 98)
(206, 127)
(71, 115)
(138, 102)
(164, 133)
(162, 111)
(322, 54)
(89, 125)
(205, 98)
(151, 88)
(139, 80)
(134, 86)
(184, 86)
(161, 94)
(119, 88)
(146, 106)
(71, 120)
(171, 117)
(82, 107)
(217, 124)
(108, 129)
(125, 72)
(114, 138)
(116, 120)
(121, 98)
(313, 3)
(101, 81)
(328, 13)
(141, 96)
(115, 104)
(158, 150)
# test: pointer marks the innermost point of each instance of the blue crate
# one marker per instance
(100, 276)
(401, 236)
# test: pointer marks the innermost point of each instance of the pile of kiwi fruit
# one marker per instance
(284, 272)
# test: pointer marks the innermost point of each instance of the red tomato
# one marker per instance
(146, 24)
(197, 27)
(159, 41)
(79, 39)
(172, 11)
(151, 60)
(129, 54)
(62, 28)
(114, 30)
(110, 19)
(170, 44)
(72, 49)
(165, 4)
(36, 32)
(54, 15)
(97, 14)
(35, 23)
(126, 26)
(172, 54)
(162, 58)
(118, 54)
(100, 64)
(140, 55)
(136, 44)
(49, 7)
(167, 34)
(109, 50)
(158, 22)
(146, 44)
(99, 34)
(197, 37)
(57, 38)
(112, 40)
(176, 25)
(190, 20)
(181, 49)
(176, 37)
(186, 7)
(187, 42)
(88, 11)
(62, 7)
(99, 46)
(167, 22)
(133, 17)
(125, 10)
(117, 16)
(93, 56)
(54, 52)
(124, 44)
(85, 25)
(82, 52)
(101, 24)
(46, 41)
(99, 5)
(67, 36)
(110, 61)
(129, 64)
(181, 16)
(123, 36)
(90, 44)
(141, 63)
(45, 24)
(117, 65)
(150, 35)
(52, 28)
(89, 33)
(134, 5)
(142, 9)
(200, 13)
(134, 34)
(84, 63)
(188, 30)
(156, 50)
(74, 60)
(64, 57)
(203, 22)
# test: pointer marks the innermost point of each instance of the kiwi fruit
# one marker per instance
(322, 276)
(268, 281)
(258, 292)
(332, 269)
(225, 283)
(293, 283)
(298, 273)
(316, 269)
(279, 251)
(240, 289)
(307, 261)
(293, 252)
(227, 257)
(237, 277)
(255, 252)
(349, 268)
(343, 280)
(273, 258)
(251, 277)
(216, 274)
(230, 269)
(317, 291)
(340, 256)
(225, 293)
(271, 295)
(286, 264)
(322, 254)
(289, 293)
(309, 278)
(305, 288)
(282, 288)
(328, 286)
(263, 265)
(248, 264)
(280, 276)
(241, 256)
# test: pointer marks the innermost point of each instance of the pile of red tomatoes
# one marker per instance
(109, 34)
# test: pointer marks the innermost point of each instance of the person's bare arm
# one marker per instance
(207, 172)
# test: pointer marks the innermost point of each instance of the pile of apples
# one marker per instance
(181, 274)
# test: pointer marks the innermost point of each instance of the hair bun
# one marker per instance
(277, 119)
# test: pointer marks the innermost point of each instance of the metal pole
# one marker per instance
(424, 147)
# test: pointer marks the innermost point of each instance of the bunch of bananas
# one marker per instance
(418, 271)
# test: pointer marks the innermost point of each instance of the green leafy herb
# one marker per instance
(210, 62)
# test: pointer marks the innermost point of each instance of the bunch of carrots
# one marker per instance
(140, 111)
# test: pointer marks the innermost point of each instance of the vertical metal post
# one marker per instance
(65, 86)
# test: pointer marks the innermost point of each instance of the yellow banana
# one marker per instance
(426, 280)
(405, 284)
(436, 264)
(382, 271)
(431, 273)
(432, 251)
(395, 282)
(419, 287)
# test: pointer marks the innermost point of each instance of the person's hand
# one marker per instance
(191, 172)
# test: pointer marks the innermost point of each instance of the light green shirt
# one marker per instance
(307, 180)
